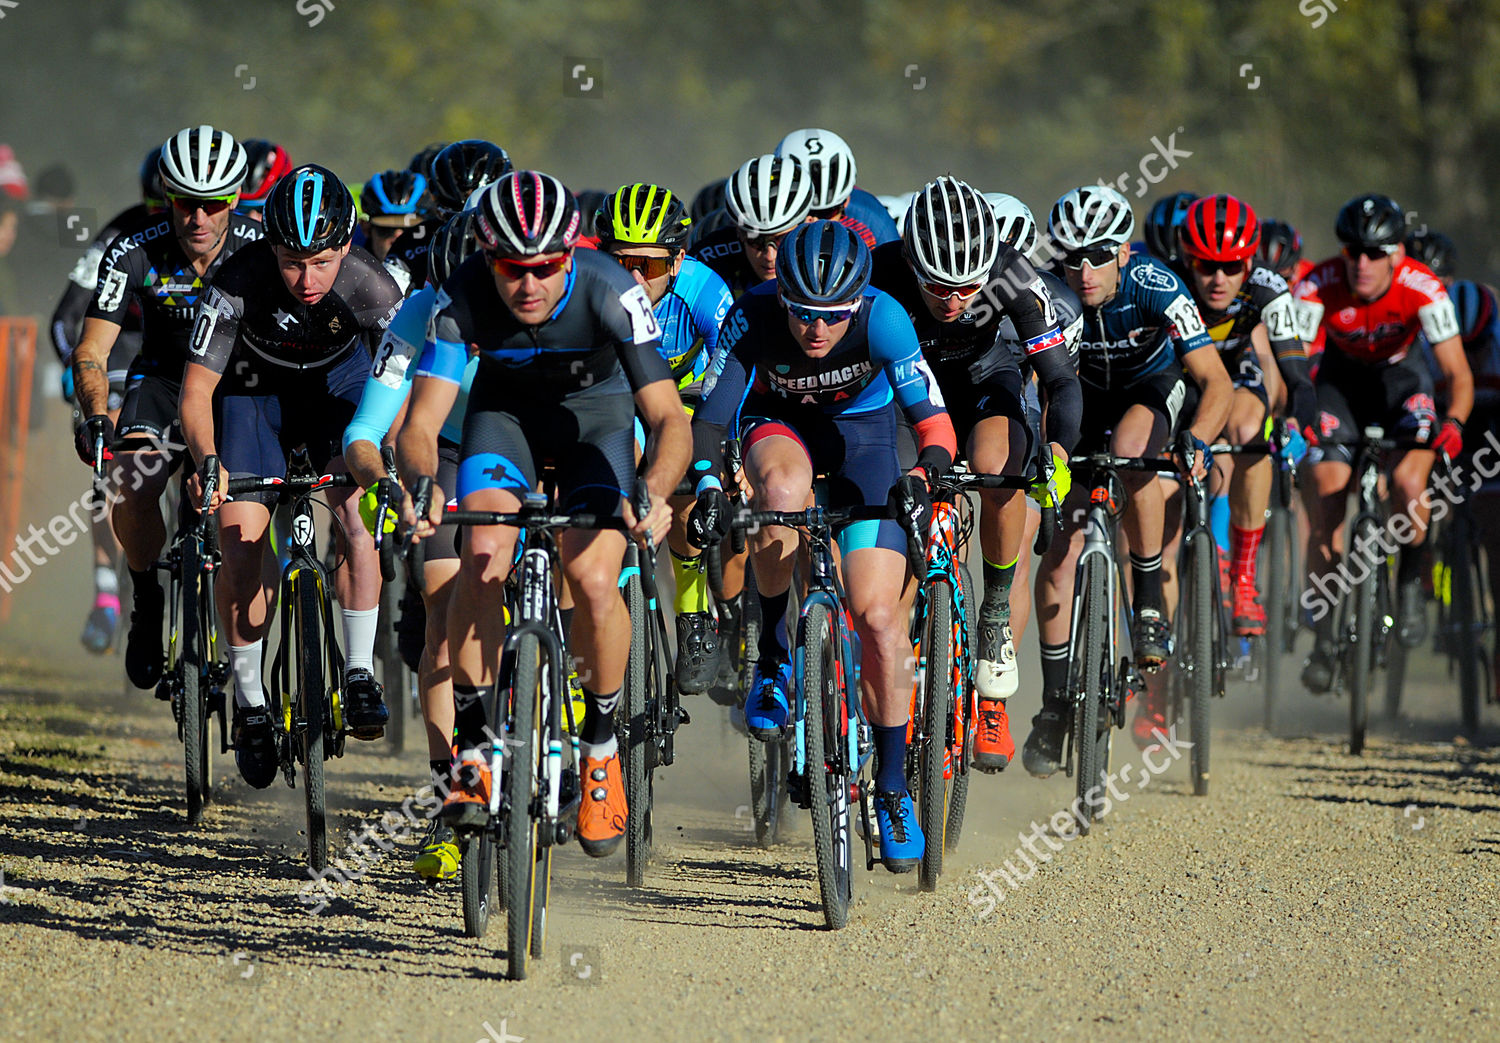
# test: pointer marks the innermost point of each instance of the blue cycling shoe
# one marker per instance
(901, 839)
(768, 704)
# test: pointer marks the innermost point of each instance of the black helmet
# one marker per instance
(421, 163)
(1160, 229)
(310, 210)
(709, 198)
(461, 168)
(1280, 246)
(1435, 250)
(1371, 220)
(151, 190)
(451, 245)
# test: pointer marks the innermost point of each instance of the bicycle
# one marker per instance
(945, 706)
(308, 667)
(831, 739)
(1460, 580)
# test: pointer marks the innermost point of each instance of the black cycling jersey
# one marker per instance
(407, 259)
(250, 315)
(722, 252)
(1264, 297)
(83, 280)
(972, 349)
(603, 323)
(145, 263)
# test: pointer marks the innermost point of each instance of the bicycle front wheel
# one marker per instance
(1366, 598)
(635, 735)
(1201, 649)
(477, 876)
(190, 659)
(311, 696)
(936, 712)
(1091, 691)
(522, 838)
(962, 739)
(827, 787)
(1276, 570)
(1463, 626)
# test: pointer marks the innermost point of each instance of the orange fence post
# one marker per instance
(17, 358)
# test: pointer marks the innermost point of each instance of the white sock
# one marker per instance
(359, 637)
(249, 692)
(599, 751)
(105, 580)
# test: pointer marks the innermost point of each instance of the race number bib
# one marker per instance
(643, 324)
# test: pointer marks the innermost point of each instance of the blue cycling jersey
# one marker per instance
(1150, 323)
(865, 208)
(689, 314)
(391, 373)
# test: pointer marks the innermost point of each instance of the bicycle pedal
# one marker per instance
(683, 717)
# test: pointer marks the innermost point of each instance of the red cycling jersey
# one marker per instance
(1379, 331)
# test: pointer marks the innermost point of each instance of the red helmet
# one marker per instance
(268, 163)
(1220, 228)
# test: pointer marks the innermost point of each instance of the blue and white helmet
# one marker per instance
(310, 210)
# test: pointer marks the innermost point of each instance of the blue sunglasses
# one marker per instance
(832, 316)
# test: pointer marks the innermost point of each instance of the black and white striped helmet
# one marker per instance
(829, 161)
(527, 213)
(768, 195)
(1091, 215)
(950, 233)
(1017, 226)
(202, 161)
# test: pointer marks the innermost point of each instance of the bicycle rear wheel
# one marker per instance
(1276, 570)
(1201, 649)
(1092, 689)
(1464, 629)
(768, 793)
(310, 707)
(1361, 677)
(936, 714)
(827, 787)
(635, 735)
(522, 839)
(393, 672)
(477, 876)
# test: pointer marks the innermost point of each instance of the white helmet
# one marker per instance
(768, 195)
(1017, 226)
(829, 162)
(1091, 215)
(902, 204)
(950, 233)
(201, 161)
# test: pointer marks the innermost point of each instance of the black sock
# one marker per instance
(995, 606)
(146, 584)
(1054, 668)
(1147, 574)
(567, 620)
(772, 613)
(1409, 566)
(890, 758)
(598, 717)
(472, 715)
(439, 769)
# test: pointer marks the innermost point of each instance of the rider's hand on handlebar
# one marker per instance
(221, 490)
(426, 494)
(1202, 459)
(1294, 444)
(1450, 438)
(1061, 483)
(708, 521)
(910, 500)
(89, 433)
(369, 504)
(655, 525)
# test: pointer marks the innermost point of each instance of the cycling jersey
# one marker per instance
(407, 258)
(1264, 297)
(1148, 326)
(969, 353)
(723, 252)
(68, 316)
(689, 314)
(1069, 310)
(1378, 332)
(146, 263)
(1480, 332)
(872, 215)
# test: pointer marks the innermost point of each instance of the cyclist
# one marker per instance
(812, 364)
(958, 282)
(1160, 231)
(569, 349)
(830, 164)
(390, 201)
(1436, 251)
(1244, 306)
(1281, 251)
(161, 262)
(1141, 334)
(385, 394)
(645, 229)
(267, 162)
(67, 328)
(765, 198)
(282, 343)
(456, 171)
(1366, 306)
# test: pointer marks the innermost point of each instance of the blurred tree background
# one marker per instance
(1294, 104)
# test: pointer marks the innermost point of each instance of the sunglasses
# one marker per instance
(517, 270)
(1204, 267)
(808, 315)
(1370, 253)
(1097, 257)
(762, 243)
(959, 293)
(210, 205)
(649, 267)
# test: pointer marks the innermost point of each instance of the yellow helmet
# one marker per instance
(642, 215)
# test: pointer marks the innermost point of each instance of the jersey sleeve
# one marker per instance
(894, 346)
(392, 371)
(380, 298)
(217, 326)
(725, 388)
(119, 274)
(1185, 322)
(1308, 297)
(710, 304)
(445, 350)
(630, 319)
(1279, 314)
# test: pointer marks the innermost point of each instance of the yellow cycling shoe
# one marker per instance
(439, 857)
(575, 690)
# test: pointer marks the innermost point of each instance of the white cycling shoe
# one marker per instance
(995, 674)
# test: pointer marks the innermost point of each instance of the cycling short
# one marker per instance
(149, 407)
(1248, 374)
(445, 544)
(122, 356)
(1352, 396)
(1164, 393)
(586, 439)
(857, 453)
(263, 420)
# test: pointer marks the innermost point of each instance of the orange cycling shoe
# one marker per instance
(468, 802)
(993, 748)
(601, 818)
(1150, 718)
(1249, 616)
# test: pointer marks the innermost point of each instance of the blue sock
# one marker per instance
(890, 758)
(1218, 519)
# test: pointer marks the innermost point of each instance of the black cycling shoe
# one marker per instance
(143, 654)
(254, 745)
(1153, 639)
(1412, 629)
(697, 652)
(364, 705)
(1317, 674)
(1042, 754)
